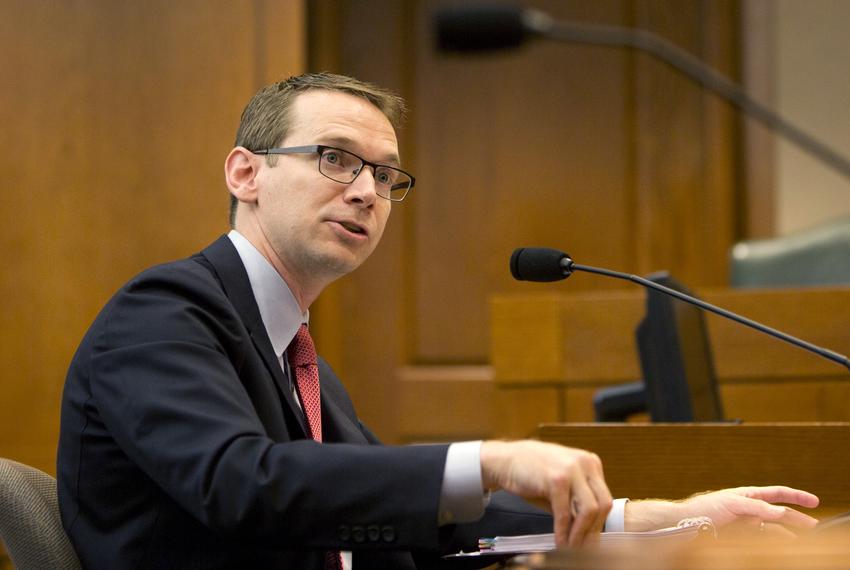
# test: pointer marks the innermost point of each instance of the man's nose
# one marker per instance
(362, 191)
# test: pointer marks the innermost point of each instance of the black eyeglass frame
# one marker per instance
(320, 150)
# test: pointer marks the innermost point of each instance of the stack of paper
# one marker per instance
(687, 529)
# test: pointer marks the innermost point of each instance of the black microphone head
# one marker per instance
(540, 264)
(479, 27)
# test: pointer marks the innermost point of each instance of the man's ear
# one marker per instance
(240, 173)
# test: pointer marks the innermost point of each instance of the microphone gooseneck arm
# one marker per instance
(482, 28)
(570, 266)
(690, 66)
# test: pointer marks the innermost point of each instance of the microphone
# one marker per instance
(546, 264)
(486, 27)
(540, 264)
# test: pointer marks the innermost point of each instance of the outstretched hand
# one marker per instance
(569, 482)
(752, 506)
(741, 506)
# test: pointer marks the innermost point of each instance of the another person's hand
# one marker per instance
(567, 481)
(743, 506)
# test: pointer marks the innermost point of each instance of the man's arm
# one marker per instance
(743, 505)
(570, 483)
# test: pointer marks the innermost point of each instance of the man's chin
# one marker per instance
(338, 264)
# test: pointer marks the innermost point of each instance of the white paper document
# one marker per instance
(687, 529)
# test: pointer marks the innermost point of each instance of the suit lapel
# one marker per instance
(339, 420)
(231, 272)
(337, 425)
(264, 347)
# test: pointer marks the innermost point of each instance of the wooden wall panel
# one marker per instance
(602, 152)
(116, 120)
(524, 148)
(758, 75)
(686, 163)
(446, 403)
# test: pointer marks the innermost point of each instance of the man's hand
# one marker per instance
(747, 506)
(569, 482)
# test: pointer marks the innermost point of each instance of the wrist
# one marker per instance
(651, 514)
(493, 454)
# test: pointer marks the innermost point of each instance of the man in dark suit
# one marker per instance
(200, 431)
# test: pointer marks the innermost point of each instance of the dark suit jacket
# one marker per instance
(181, 445)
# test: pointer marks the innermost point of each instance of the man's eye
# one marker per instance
(332, 157)
(384, 178)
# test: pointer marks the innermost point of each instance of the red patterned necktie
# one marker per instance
(302, 359)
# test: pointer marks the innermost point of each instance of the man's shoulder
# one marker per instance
(196, 266)
(183, 299)
(190, 282)
(191, 277)
(195, 271)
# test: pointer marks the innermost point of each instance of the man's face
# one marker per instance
(318, 228)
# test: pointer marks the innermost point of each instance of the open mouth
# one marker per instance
(353, 228)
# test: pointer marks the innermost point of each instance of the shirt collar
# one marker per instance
(279, 310)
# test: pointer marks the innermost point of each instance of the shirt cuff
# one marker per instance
(462, 497)
(616, 521)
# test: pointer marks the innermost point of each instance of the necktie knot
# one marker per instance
(302, 351)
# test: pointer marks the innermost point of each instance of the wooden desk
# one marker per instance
(830, 552)
(575, 343)
(676, 460)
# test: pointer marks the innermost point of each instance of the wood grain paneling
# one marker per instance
(811, 400)
(758, 75)
(603, 152)
(595, 333)
(578, 343)
(116, 119)
(685, 163)
(523, 148)
(446, 403)
(674, 461)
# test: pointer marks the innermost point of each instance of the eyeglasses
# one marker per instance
(344, 167)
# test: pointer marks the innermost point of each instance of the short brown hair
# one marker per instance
(267, 118)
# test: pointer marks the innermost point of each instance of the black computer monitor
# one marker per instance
(675, 357)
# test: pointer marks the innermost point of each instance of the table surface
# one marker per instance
(816, 551)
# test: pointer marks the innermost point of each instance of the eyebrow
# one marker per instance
(346, 143)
